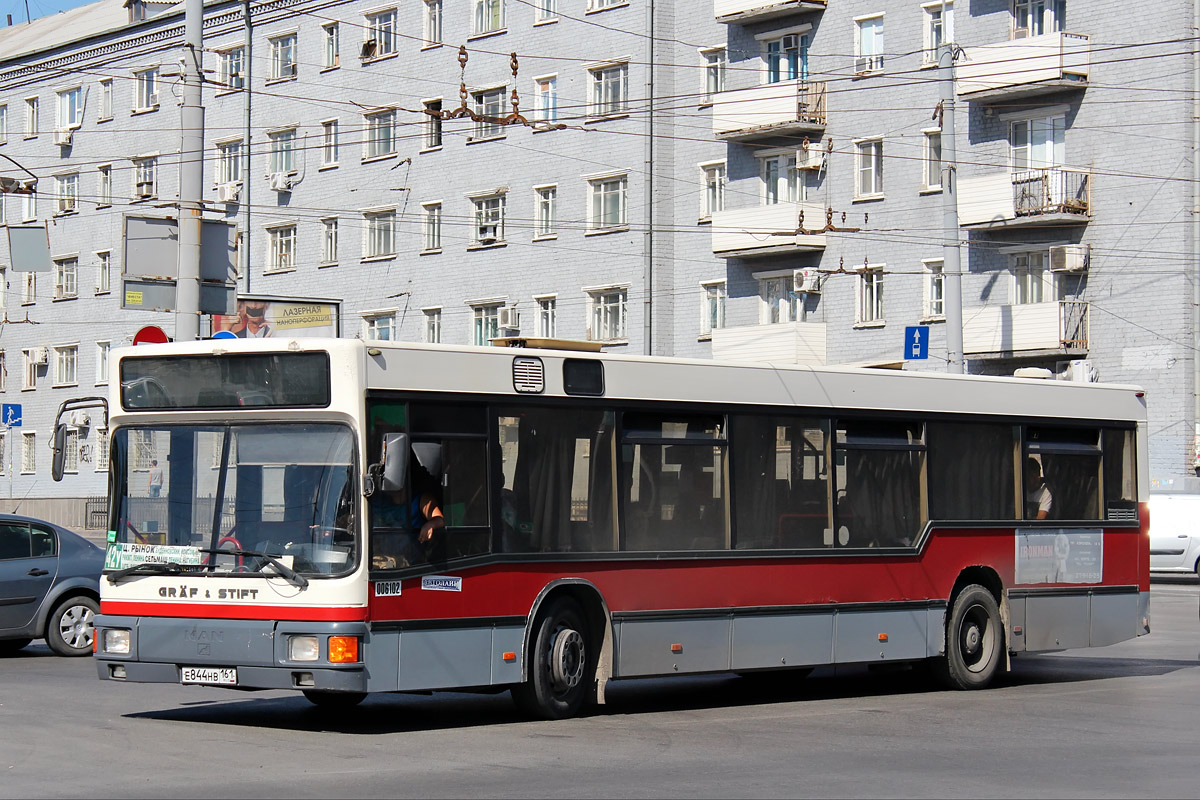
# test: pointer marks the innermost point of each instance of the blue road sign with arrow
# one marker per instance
(916, 342)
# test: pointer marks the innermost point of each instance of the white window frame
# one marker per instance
(781, 181)
(32, 123)
(329, 143)
(715, 175)
(4, 122)
(71, 451)
(488, 224)
(1032, 280)
(545, 98)
(937, 28)
(868, 168)
(1037, 17)
(485, 321)
(380, 139)
(489, 103)
(545, 11)
(105, 112)
(784, 54)
(66, 364)
(104, 181)
(603, 5)
(70, 108)
(331, 46)
(3, 384)
(66, 192)
(29, 370)
(714, 296)
(608, 89)
(433, 324)
(29, 289)
(779, 303)
(547, 315)
(329, 241)
(868, 297)
(1037, 141)
(282, 156)
(231, 68)
(716, 64)
(29, 207)
(145, 172)
(487, 17)
(103, 354)
(379, 325)
(545, 217)
(101, 450)
(379, 233)
(608, 313)
(931, 160)
(933, 301)
(868, 44)
(145, 90)
(283, 56)
(66, 278)
(603, 190)
(431, 227)
(431, 23)
(103, 271)
(380, 27)
(28, 452)
(432, 124)
(229, 161)
(281, 248)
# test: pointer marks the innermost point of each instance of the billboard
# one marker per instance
(267, 317)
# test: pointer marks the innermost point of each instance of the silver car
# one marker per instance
(1175, 533)
(49, 586)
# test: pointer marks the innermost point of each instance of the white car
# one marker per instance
(1175, 533)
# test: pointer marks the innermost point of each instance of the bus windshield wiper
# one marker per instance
(148, 568)
(287, 573)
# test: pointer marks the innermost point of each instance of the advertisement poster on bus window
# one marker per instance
(270, 317)
(1059, 556)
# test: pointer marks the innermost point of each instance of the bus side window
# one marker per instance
(881, 469)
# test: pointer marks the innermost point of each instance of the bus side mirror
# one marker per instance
(60, 451)
(393, 475)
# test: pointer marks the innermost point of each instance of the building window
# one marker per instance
(489, 220)
(331, 46)
(787, 58)
(780, 179)
(381, 29)
(485, 323)
(229, 161)
(1037, 17)
(870, 168)
(381, 134)
(431, 227)
(29, 289)
(104, 194)
(600, 5)
(66, 188)
(545, 202)
(433, 325)
(868, 44)
(379, 327)
(329, 143)
(231, 70)
(489, 107)
(101, 450)
(869, 305)
(31, 117)
(283, 57)
(66, 278)
(3, 382)
(713, 199)
(380, 233)
(281, 242)
(145, 91)
(4, 123)
(1037, 143)
(712, 307)
(545, 98)
(931, 160)
(432, 124)
(70, 108)
(102, 352)
(104, 272)
(547, 317)
(607, 314)
(431, 22)
(145, 178)
(283, 151)
(1030, 278)
(607, 206)
(939, 28)
(106, 100)
(716, 61)
(28, 453)
(29, 369)
(545, 10)
(28, 206)
(779, 301)
(66, 365)
(71, 451)
(610, 90)
(489, 16)
(934, 290)
(329, 240)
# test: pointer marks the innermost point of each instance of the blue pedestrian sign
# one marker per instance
(11, 413)
(916, 342)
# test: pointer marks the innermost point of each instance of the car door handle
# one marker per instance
(35, 572)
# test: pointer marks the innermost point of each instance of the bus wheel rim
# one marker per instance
(566, 660)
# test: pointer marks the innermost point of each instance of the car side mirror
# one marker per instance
(393, 475)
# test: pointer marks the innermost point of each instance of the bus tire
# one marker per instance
(974, 641)
(562, 665)
(334, 700)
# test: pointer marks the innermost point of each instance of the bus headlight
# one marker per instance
(343, 649)
(116, 641)
(304, 648)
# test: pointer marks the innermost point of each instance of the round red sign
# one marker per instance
(151, 334)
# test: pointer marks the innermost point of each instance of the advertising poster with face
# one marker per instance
(263, 318)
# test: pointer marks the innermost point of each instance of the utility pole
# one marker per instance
(951, 258)
(248, 72)
(191, 176)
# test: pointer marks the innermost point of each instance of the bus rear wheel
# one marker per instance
(334, 700)
(561, 664)
(974, 641)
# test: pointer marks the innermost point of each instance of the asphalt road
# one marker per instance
(1120, 721)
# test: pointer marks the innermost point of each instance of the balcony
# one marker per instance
(767, 230)
(781, 343)
(1034, 329)
(774, 109)
(1024, 67)
(1025, 198)
(742, 12)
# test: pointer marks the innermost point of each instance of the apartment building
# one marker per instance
(755, 179)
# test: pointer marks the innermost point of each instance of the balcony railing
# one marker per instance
(1048, 195)
(1024, 67)
(780, 343)
(793, 106)
(1058, 327)
(766, 230)
(740, 12)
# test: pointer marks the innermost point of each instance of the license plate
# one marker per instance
(221, 676)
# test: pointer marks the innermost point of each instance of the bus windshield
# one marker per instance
(282, 490)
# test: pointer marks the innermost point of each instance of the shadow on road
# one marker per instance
(399, 713)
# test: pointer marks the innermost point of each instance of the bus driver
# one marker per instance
(414, 523)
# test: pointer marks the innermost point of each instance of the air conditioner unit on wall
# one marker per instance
(144, 189)
(1078, 370)
(80, 419)
(62, 136)
(228, 192)
(806, 281)
(811, 157)
(280, 181)
(1069, 258)
(40, 355)
(510, 318)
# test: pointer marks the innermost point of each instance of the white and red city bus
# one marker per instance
(605, 517)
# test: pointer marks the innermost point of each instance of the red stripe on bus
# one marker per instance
(213, 611)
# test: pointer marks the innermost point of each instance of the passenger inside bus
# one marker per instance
(403, 528)
(1038, 500)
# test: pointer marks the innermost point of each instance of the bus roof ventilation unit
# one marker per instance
(529, 376)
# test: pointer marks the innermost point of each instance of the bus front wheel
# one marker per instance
(974, 640)
(561, 664)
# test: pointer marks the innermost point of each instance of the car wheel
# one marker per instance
(10, 647)
(72, 626)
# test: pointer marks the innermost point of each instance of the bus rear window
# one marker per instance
(294, 380)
